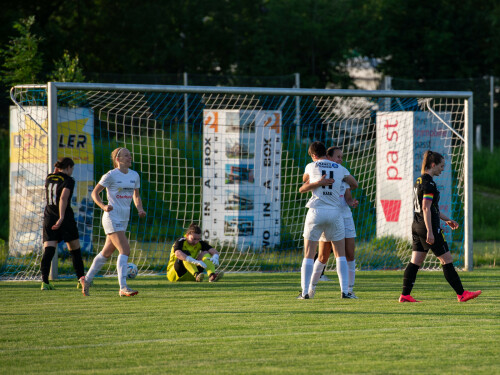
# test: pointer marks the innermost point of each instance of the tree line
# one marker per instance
(413, 38)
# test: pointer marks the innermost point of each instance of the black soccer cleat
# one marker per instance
(348, 296)
(300, 296)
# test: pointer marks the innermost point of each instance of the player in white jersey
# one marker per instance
(346, 281)
(122, 186)
(324, 179)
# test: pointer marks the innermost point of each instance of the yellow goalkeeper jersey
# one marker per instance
(182, 244)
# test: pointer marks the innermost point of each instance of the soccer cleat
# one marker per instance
(48, 286)
(324, 278)
(347, 296)
(352, 295)
(127, 292)
(407, 298)
(216, 276)
(85, 286)
(468, 295)
(311, 293)
(79, 285)
(199, 276)
(302, 296)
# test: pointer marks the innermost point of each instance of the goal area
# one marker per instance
(232, 160)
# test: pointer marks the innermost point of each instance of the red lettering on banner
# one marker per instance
(391, 208)
(392, 173)
(392, 134)
(392, 157)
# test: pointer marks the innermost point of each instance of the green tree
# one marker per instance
(67, 69)
(432, 39)
(22, 58)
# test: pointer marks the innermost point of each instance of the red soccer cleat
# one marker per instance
(407, 298)
(468, 295)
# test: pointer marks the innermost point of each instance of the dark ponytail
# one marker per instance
(429, 158)
(64, 163)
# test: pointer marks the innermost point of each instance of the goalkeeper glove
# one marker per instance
(215, 259)
(190, 259)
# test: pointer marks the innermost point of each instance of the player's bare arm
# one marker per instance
(451, 223)
(351, 202)
(96, 196)
(426, 210)
(313, 185)
(63, 203)
(351, 181)
(138, 203)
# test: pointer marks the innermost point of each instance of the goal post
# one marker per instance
(237, 169)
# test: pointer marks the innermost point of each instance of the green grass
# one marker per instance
(486, 213)
(486, 254)
(251, 324)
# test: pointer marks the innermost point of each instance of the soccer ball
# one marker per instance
(131, 270)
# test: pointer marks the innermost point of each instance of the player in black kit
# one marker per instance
(427, 233)
(59, 221)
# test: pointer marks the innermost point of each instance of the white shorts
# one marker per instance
(329, 222)
(350, 229)
(113, 225)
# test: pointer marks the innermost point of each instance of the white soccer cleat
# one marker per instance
(127, 292)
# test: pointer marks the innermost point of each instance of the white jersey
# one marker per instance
(346, 210)
(120, 191)
(326, 196)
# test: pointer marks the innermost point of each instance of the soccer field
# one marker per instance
(252, 324)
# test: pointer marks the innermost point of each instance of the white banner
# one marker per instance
(402, 139)
(394, 174)
(28, 170)
(241, 177)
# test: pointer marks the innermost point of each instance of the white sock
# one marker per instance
(99, 261)
(316, 274)
(343, 273)
(305, 274)
(121, 267)
(352, 274)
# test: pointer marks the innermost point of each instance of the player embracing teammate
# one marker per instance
(324, 179)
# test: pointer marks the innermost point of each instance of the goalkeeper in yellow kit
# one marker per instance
(190, 256)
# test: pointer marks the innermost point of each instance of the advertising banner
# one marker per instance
(241, 177)
(28, 170)
(402, 139)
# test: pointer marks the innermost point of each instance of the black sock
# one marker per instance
(409, 278)
(48, 254)
(451, 275)
(76, 256)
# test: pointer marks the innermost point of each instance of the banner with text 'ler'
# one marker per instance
(28, 170)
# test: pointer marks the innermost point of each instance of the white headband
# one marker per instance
(120, 150)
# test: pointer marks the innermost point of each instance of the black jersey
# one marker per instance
(54, 185)
(425, 189)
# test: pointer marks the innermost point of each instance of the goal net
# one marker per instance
(232, 160)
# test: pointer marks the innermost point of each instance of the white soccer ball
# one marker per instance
(131, 270)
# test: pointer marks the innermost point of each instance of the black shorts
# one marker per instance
(439, 247)
(67, 232)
